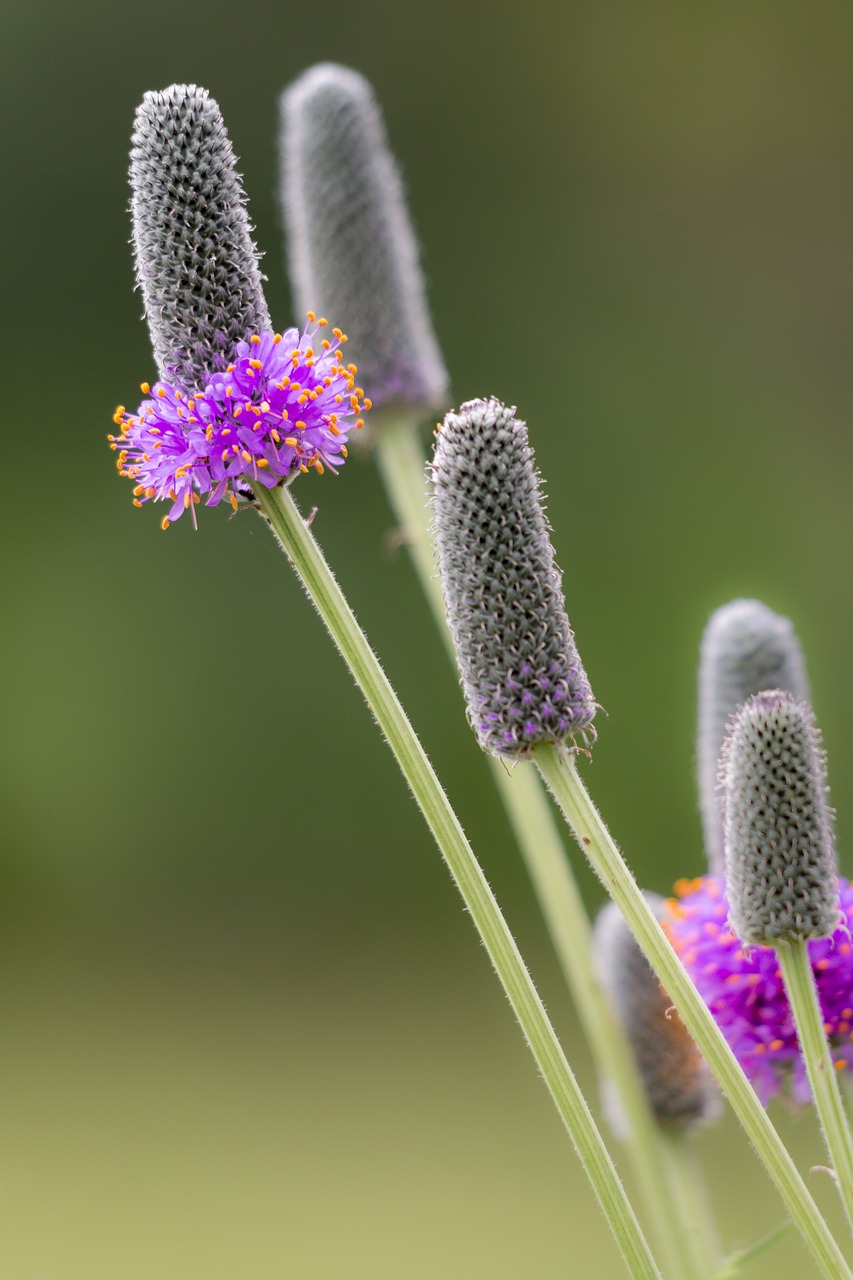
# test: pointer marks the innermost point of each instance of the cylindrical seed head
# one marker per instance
(196, 263)
(678, 1085)
(746, 647)
(352, 252)
(780, 860)
(521, 674)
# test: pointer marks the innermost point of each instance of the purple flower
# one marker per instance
(281, 407)
(743, 987)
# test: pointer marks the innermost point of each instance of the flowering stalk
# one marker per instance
(400, 457)
(352, 252)
(558, 769)
(301, 549)
(781, 880)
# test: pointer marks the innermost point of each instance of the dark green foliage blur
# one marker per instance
(246, 1028)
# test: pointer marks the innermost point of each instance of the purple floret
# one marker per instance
(282, 406)
(743, 987)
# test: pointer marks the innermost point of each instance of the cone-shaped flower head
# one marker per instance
(678, 1085)
(780, 860)
(521, 674)
(196, 263)
(746, 647)
(351, 247)
(237, 405)
(744, 990)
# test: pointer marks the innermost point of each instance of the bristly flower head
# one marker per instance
(522, 678)
(282, 406)
(743, 986)
(196, 263)
(746, 647)
(351, 248)
(678, 1085)
(780, 859)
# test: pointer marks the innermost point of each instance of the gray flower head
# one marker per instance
(196, 263)
(780, 859)
(678, 1085)
(746, 648)
(521, 674)
(352, 251)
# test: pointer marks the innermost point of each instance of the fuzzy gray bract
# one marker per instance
(780, 860)
(352, 251)
(678, 1085)
(521, 674)
(196, 263)
(746, 647)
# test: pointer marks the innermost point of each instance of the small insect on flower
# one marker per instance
(285, 405)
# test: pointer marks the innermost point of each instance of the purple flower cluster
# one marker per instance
(743, 987)
(280, 407)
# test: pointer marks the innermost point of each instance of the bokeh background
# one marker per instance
(246, 1028)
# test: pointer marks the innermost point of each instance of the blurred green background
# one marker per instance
(246, 1028)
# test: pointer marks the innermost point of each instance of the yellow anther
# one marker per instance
(247, 457)
(336, 431)
(276, 438)
(160, 392)
(138, 490)
(255, 364)
(302, 467)
(344, 452)
(323, 321)
(262, 462)
(318, 466)
(337, 334)
(339, 399)
(255, 339)
(224, 455)
(326, 344)
(300, 425)
(145, 387)
(311, 316)
(368, 404)
(359, 424)
(231, 368)
(291, 441)
(276, 338)
(136, 502)
(233, 499)
(164, 523)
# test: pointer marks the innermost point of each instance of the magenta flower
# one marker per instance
(281, 407)
(743, 987)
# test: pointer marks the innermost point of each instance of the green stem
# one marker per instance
(691, 1204)
(734, 1264)
(280, 510)
(558, 769)
(401, 461)
(814, 1046)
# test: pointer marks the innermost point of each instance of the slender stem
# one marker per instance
(691, 1203)
(558, 769)
(278, 507)
(814, 1046)
(401, 461)
(734, 1264)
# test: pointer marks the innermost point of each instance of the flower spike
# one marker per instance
(780, 858)
(352, 251)
(678, 1085)
(521, 674)
(196, 263)
(746, 647)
